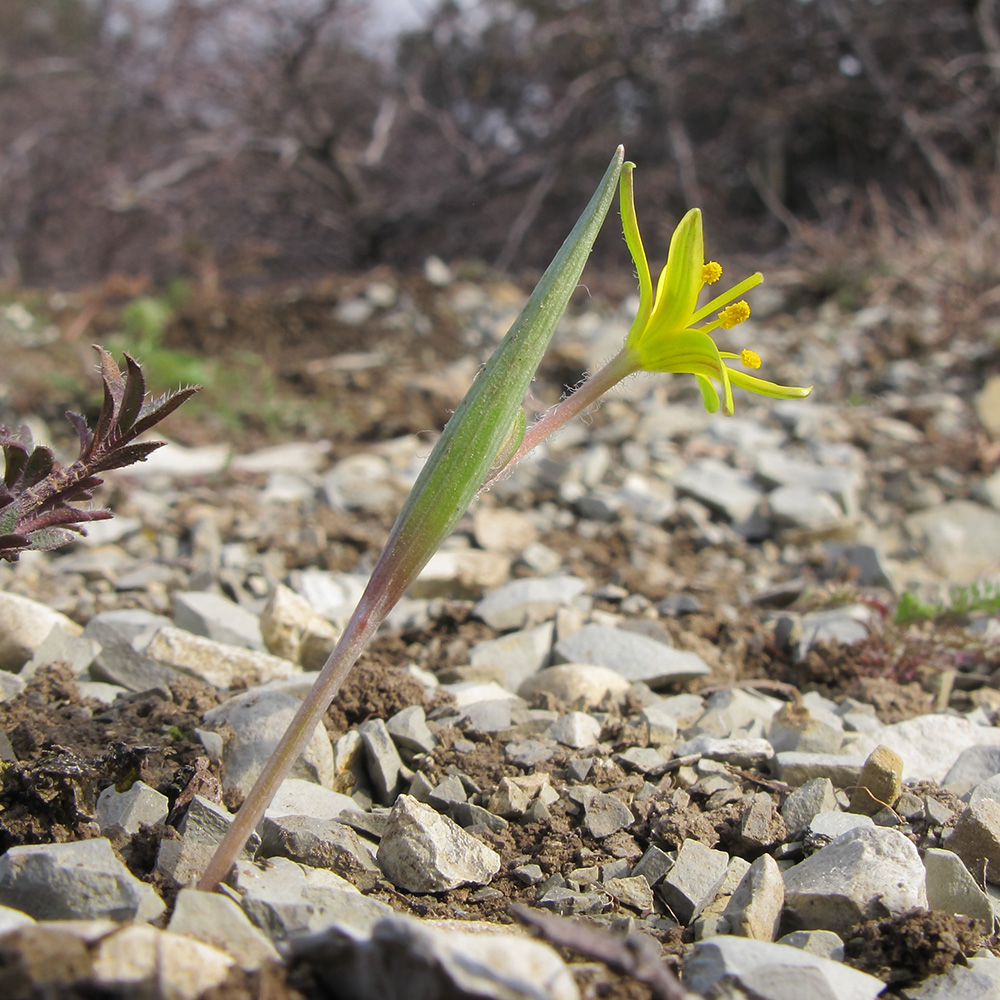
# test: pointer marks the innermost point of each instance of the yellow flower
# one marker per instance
(670, 332)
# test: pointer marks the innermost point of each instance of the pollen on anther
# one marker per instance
(733, 314)
(749, 359)
(711, 272)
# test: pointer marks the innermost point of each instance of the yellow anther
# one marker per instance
(749, 359)
(733, 314)
(711, 272)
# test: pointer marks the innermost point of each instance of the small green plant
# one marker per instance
(961, 601)
(487, 433)
(38, 496)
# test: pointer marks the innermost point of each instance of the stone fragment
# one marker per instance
(739, 751)
(24, 625)
(11, 919)
(575, 730)
(257, 720)
(754, 909)
(216, 920)
(881, 782)
(403, 957)
(863, 874)
(423, 851)
(831, 824)
(825, 944)
(410, 732)
(516, 655)
(123, 636)
(977, 980)
(815, 796)
(215, 617)
(845, 625)
(693, 881)
(636, 657)
(976, 839)
(384, 764)
(719, 487)
(74, 881)
(528, 601)
(580, 685)
(761, 826)
(806, 509)
(75, 650)
(735, 710)
(646, 760)
(502, 529)
(461, 574)
(633, 892)
(960, 539)
(605, 814)
(973, 765)
(795, 768)
(292, 630)
(729, 966)
(144, 962)
(218, 664)
(653, 865)
(798, 726)
(139, 805)
(509, 800)
(952, 889)
(320, 843)
(298, 797)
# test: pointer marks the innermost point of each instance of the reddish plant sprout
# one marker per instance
(38, 496)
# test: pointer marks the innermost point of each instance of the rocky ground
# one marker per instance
(702, 684)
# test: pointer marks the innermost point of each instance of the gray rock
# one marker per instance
(635, 657)
(258, 718)
(145, 962)
(976, 839)
(24, 625)
(831, 824)
(741, 752)
(74, 881)
(847, 625)
(795, 768)
(523, 602)
(219, 664)
(423, 851)
(960, 539)
(76, 651)
(581, 685)
(605, 814)
(298, 797)
(403, 958)
(653, 865)
(931, 744)
(139, 805)
(382, 758)
(865, 562)
(320, 843)
(529, 753)
(214, 919)
(754, 909)
(646, 760)
(517, 655)
(123, 636)
(806, 509)
(720, 488)
(815, 796)
(978, 980)
(460, 574)
(575, 730)
(292, 630)
(779, 468)
(737, 967)
(217, 618)
(988, 789)
(863, 874)
(633, 892)
(826, 944)
(737, 711)
(409, 731)
(952, 889)
(974, 765)
(693, 881)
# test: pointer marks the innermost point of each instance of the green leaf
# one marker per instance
(472, 439)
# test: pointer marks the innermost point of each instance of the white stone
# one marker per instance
(528, 601)
(581, 685)
(137, 806)
(423, 851)
(863, 874)
(754, 909)
(575, 730)
(24, 626)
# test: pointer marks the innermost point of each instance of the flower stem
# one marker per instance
(366, 619)
(580, 399)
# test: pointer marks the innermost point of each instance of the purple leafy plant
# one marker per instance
(38, 495)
